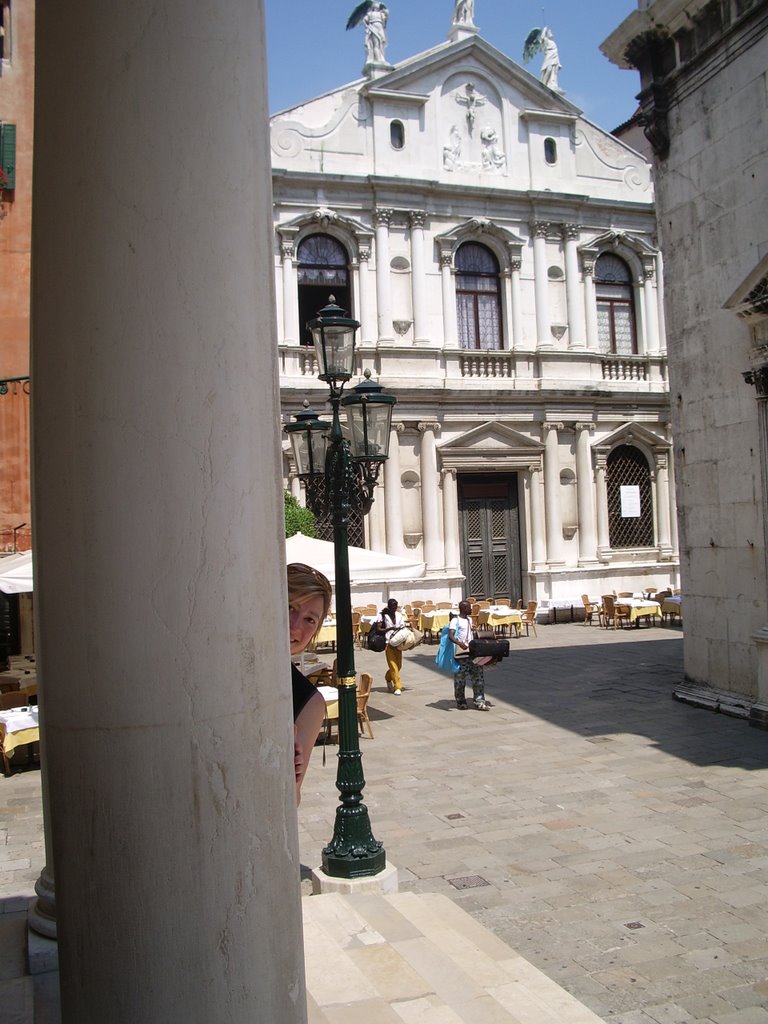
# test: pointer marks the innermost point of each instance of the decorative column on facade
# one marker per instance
(651, 309)
(663, 504)
(392, 495)
(377, 537)
(590, 304)
(758, 377)
(673, 534)
(294, 485)
(418, 275)
(539, 231)
(660, 302)
(382, 219)
(573, 296)
(368, 332)
(601, 495)
(450, 334)
(515, 266)
(452, 556)
(585, 493)
(430, 493)
(291, 326)
(552, 508)
(538, 533)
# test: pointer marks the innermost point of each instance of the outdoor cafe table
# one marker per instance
(672, 606)
(17, 727)
(500, 615)
(640, 609)
(433, 621)
(327, 633)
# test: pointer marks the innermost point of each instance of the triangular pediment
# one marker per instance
(491, 446)
(632, 433)
(493, 435)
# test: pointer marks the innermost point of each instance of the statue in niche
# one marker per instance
(471, 100)
(373, 14)
(541, 40)
(452, 152)
(464, 14)
(493, 155)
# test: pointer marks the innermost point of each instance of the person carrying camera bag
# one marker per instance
(390, 622)
(461, 631)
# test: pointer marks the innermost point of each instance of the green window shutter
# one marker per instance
(8, 155)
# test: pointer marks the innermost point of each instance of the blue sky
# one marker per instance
(310, 52)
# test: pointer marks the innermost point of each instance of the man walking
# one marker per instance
(460, 631)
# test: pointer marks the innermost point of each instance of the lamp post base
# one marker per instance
(383, 883)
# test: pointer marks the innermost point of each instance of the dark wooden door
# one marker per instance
(489, 529)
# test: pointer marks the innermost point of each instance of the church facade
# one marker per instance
(499, 251)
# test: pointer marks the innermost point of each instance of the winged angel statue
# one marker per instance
(373, 14)
(540, 40)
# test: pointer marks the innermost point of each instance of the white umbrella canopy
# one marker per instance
(16, 573)
(364, 566)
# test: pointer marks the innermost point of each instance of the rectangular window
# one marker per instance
(8, 155)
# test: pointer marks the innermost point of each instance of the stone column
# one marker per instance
(418, 275)
(759, 379)
(368, 332)
(673, 531)
(574, 298)
(291, 326)
(553, 511)
(382, 219)
(517, 305)
(662, 503)
(430, 497)
(377, 538)
(590, 304)
(601, 494)
(585, 492)
(651, 310)
(660, 302)
(450, 334)
(452, 557)
(295, 487)
(392, 495)
(538, 533)
(539, 230)
(158, 521)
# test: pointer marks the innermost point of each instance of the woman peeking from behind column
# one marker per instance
(309, 598)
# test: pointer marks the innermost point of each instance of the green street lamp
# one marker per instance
(337, 473)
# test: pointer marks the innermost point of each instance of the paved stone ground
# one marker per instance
(615, 838)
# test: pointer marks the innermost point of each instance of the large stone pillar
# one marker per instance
(450, 333)
(393, 495)
(430, 497)
(590, 304)
(158, 521)
(585, 495)
(418, 275)
(517, 305)
(662, 503)
(538, 533)
(367, 314)
(573, 296)
(553, 509)
(291, 326)
(539, 230)
(377, 539)
(601, 495)
(452, 557)
(660, 302)
(382, 220)
(651, 310)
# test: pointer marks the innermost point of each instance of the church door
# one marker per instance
(489, 528)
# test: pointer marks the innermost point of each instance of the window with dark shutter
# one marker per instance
(7, 155)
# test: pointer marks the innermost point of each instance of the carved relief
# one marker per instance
(466, 149)
(492, 155)
(452, 151)
(472, 100)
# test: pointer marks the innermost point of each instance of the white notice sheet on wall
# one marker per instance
(630, 502)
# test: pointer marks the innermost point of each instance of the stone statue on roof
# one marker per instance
(373, 14)
(464, 13)
(541, 40)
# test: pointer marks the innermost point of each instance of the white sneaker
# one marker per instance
(398, 692)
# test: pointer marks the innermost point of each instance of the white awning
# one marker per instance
(16, 573)
(364, 566)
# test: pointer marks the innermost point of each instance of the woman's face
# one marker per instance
(304, 616)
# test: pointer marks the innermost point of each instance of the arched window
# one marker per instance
(615, 305)
(396, 134)
(550, 151)
(478, 297)
(630, 506)
(323, 271)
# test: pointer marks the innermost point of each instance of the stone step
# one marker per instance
(374, 959)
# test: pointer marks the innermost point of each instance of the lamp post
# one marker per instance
(348, 469)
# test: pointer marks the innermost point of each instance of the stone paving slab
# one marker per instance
(620, 836)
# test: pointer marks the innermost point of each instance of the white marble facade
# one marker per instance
(455, 155)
